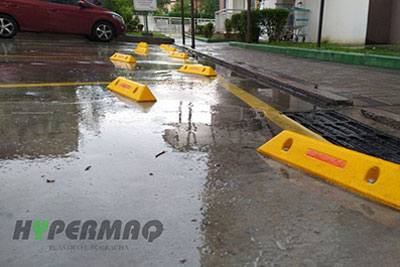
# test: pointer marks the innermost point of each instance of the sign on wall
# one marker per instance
(145, 5)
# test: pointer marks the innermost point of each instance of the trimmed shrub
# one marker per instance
(228, 26)
(274, 21)
(269, 21)
(208, 30)
(235, 20)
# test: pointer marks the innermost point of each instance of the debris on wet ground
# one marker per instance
(161, 153)
(280, 246)
(182, 261)
(88, 168)
(50, 181)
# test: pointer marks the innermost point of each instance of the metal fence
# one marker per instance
(173, 24)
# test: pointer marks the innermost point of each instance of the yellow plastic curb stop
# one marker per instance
(179, 55)
(371, 177)
(131, 89)
(143, 44)
(168, 48)
(123, 58)
(141, 50)
(198, 69)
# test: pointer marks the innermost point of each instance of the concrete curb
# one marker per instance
(276, 81)
(381, 116)
(209, 40)
(380, 61)
(147, 39)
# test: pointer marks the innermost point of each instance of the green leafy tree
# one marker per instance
(209, 7)
(122, 7)
(186, 6)
(162, 3)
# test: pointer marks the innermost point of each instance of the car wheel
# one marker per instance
(103, 31)
(8, 26)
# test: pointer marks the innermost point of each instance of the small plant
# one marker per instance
(208, 30)
(198, 29)
(228, 26)
(235, 21)
(140, 27)
(132, 25)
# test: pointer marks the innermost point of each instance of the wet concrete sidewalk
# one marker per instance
(368, 87)
(80, 152)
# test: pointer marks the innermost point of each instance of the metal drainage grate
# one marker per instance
(344, 131)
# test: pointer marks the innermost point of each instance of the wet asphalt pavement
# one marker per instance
(81, 152)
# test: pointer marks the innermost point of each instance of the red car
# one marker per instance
(60, 16)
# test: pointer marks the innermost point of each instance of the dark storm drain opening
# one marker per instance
(344, 131)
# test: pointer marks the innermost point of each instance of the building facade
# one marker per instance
(350, 22)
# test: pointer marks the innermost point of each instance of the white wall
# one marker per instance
(236, 4)
(269, 4)
(345, 21)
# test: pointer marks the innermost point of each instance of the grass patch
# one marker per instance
(387, 50)
(155, 35)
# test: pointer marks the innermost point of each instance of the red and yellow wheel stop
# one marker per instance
(179, 55)
(168, 48)
(123, 58)
(131, 89)
(143, 44)
(198, 70)
(141, 51)
(371, 177)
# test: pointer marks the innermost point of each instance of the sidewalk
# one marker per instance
(368, 87)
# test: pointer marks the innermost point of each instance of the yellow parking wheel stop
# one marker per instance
(168, 48)
(143, 44)
(198, 70)
(131, 89)
(179, 55)
(123, 58)
(141, 50)
(371, 177)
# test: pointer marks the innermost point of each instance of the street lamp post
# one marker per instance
(321, 19)
(183, 22)
(249, 21)
(192, 21)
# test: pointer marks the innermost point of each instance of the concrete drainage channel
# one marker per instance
(344, 131)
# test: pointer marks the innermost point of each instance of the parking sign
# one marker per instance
(145, 5)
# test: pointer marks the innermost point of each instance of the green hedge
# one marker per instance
(272, 21)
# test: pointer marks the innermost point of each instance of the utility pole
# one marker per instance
(321, 20)
(192, 21)
(249, 21)
(183, 22)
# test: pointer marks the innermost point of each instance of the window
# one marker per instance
(63, 2)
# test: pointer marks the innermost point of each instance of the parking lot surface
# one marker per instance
(71, 150)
